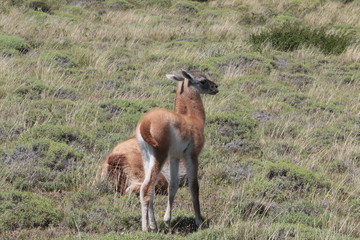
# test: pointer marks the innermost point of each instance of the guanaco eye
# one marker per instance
(202, 82)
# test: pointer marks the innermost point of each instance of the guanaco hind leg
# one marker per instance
(147, 192)
(173, 187)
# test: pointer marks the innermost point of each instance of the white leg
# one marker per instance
(147, 193)
(173, 187)
(144, 212)
(148, 161)
(152, 220)
(144, 202)
(152, 166)
(192, 171)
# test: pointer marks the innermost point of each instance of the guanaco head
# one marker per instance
(196, 79)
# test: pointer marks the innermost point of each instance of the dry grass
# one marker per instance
(333, 12)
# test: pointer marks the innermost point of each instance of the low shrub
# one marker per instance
(300, 231)
(355, 208)
(102, 219)
(27, 210)
(186, 7)
(303, 212)
(59, 59)
(132, 236)
(247, 62)
(36, 116)
(328, 135)
(42, 164)
(66, 93)
(10, 45)
(234, 132)
(119, 4)
(60, 134)
(81, 199)
(9, 131)
(39, 6)
(210, 234)
(283, 181)
(290, 36)
(33, 90)
(48, 111)
(110, 110)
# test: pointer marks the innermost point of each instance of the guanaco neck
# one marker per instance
(188, 102)
(179, 103)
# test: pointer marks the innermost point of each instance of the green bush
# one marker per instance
(256, 17)
(289, 37)
(110, 133)
(329, 135)
(36, 116)
(302, 178)
(61, 134)
(120, 4)
(232, 131)
(81, 199)
(39, 6)
(112, 109)
(66, 93)
(10, 131)
(42, 164)
(34, 90)
(300, 231)
(253, 210)
(131, 236)
(247, 83)
(60, 59)
(210, 234)
(249, 62)
(158, 3)
(186, 7)
(13, 44)
(303, 212)
(355, 208)
(102, 219)
(283, 181)
(48, 111)
(27, 210)
(273, 89)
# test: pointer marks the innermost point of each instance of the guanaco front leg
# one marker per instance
(192, 171)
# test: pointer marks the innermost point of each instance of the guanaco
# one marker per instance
(165, 135)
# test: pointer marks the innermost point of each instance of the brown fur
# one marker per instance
(124, 168)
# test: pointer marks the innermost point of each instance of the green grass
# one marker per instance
(281, 158)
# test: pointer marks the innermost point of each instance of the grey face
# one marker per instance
(201, 83)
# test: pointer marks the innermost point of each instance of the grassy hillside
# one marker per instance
(282, 153)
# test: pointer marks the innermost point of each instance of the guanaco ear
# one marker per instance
(187, 75)
(175, 77)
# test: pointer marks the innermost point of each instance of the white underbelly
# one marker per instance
(178, 147)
